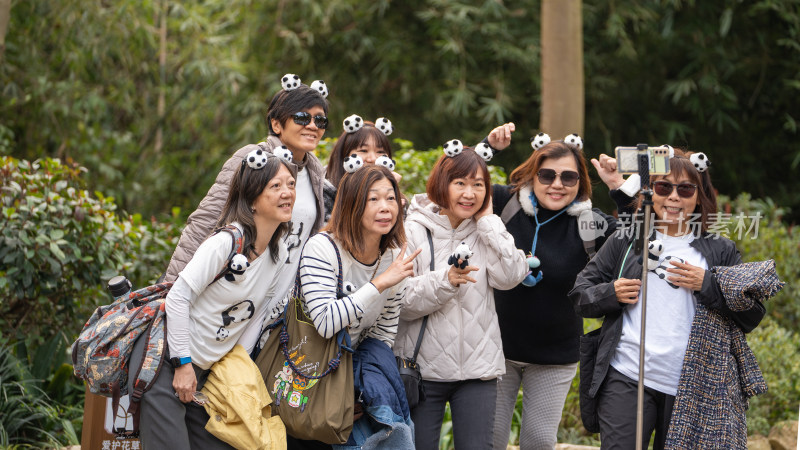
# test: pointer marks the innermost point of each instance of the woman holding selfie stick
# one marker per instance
(683, 297)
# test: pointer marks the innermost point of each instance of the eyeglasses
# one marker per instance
(664, 188)
(569, 178)
(303, 118)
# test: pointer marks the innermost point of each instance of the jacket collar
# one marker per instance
(575, 209)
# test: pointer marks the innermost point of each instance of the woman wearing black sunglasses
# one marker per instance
(697, 364)
(548, 211)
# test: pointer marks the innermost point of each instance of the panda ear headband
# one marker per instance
(454, 147)
(354, 122)
(573, 141)
(257, 158)
(290, 82)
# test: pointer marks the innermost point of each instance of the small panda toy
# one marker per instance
(348, 288)
(385, 161)
(463, 253)
(575, 141)
(484, 151)
(540, 140)
(237, 267)
(385, 125)
(222, 333)
(453, 147)
(290, 82)
(283, 153)
(321, 87)
(700, 161)
(352, 123)
(257, 159)
(654, 249)
(352, 163)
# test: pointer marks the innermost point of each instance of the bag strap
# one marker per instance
(512, 207)
(237, 245)
(424, 319)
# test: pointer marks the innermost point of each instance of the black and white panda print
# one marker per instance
(237, 313)
(661, 270)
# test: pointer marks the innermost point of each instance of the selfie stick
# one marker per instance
(642, 246)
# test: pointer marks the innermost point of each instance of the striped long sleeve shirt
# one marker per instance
(364, 310)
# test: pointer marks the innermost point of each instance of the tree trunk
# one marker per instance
(562, 68)
(5, 15)
(162, 75)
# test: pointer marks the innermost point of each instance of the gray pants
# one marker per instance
(616, 408)
(544, 391)
(164, 421)
(471, 408)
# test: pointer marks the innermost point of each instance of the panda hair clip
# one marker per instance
(257, 158)
(354, 122)
(352, 163)
(290, 82)
(700, 161)
(573, 141)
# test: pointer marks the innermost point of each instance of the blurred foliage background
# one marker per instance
(115, 118)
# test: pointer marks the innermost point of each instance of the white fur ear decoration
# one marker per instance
(352, 123)
(540, 140)
(700, 161)
(574, 141)
(257, 159)
(290, 82)
(671, 150)
(453, 147)
(484, 151)
(352, 163)
(237, 268)
(385, 125)
(283, 153)
(385, 161)
(321, 87)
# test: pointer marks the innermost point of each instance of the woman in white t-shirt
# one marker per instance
(684, 370)
(206, 318)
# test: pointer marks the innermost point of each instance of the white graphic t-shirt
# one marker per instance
(670, 312)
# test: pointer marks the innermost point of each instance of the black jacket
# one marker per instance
(594, 296)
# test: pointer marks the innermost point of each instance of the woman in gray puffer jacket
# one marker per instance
(461, 354)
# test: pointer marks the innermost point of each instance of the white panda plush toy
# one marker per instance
(484, 151)
(283, 153)
(385, 125)
(321, 87)
(453, 147)
(700, 161)
(348, 288)
(352, 123)
(575, 141)
(290, 82)
(237, 268)
(257, 159)
(385, 161)
(540, 140)
(654, 250)
(463, 253)
(352, 163)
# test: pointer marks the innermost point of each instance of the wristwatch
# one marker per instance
(177, 362)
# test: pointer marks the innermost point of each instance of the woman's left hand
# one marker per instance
(607, 169)
(688, 276)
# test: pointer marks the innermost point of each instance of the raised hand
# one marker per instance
(400, 269)
(500, 137)
(607, 169)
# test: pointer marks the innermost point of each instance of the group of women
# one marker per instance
(502, 318)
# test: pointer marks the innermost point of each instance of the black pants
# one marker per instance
(616, 409)
(472, 407)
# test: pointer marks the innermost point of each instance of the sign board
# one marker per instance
(99, 422)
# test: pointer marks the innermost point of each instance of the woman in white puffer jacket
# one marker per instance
(461, 354)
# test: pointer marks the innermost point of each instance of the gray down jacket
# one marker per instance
(202, 221)
(462, 337)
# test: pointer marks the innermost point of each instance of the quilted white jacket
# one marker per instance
(462, 337)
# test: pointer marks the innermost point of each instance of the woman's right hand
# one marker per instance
(457, 276)
(400, 269)
(185, 382)
(500, 137)
(627, 290)
(606, 167)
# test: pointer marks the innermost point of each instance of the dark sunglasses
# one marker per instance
(303, 118)
(664, 188)
(569, 178)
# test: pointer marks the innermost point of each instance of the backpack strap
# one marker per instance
(512, 208)
(237, 246)
(424, 319)
(589, 246)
